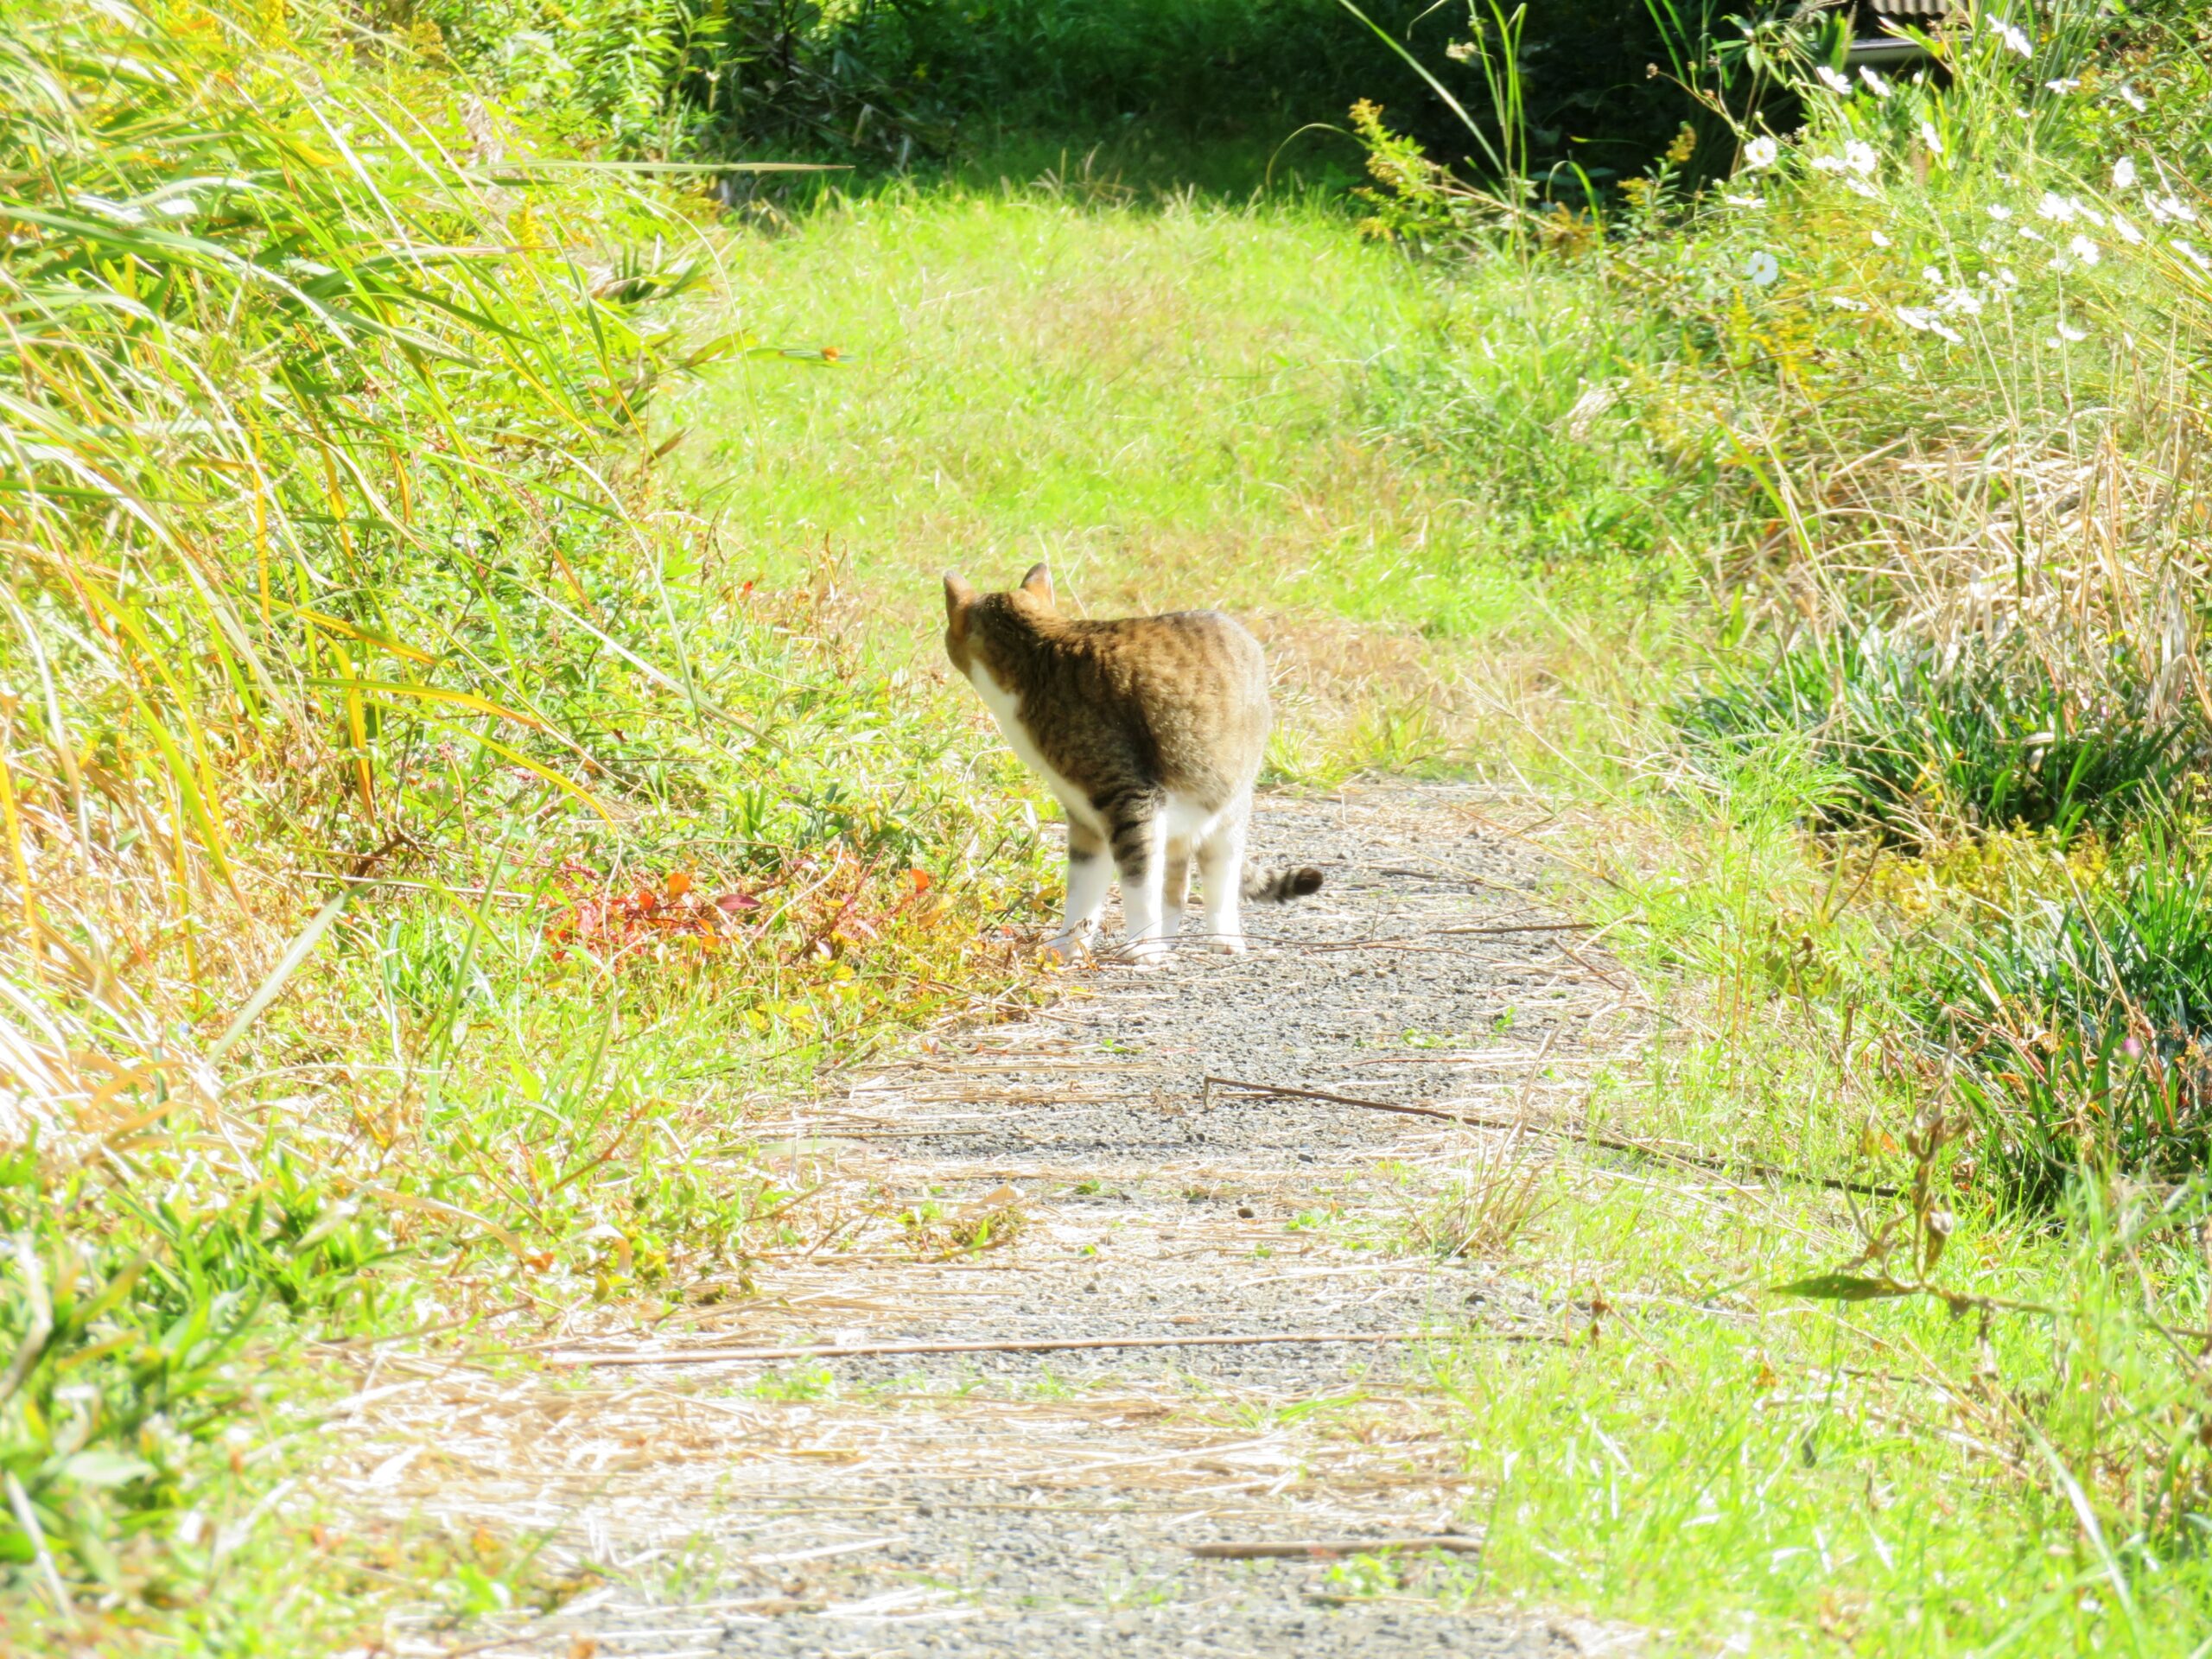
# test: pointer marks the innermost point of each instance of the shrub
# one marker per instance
(2082, 1024)
(1921, 748)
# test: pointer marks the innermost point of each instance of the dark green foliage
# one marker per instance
(2083, 1026)
(1923, 742)
(896, 83)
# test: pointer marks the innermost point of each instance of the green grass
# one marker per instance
(1160, 401)
(1722, 1464)
(533, 562)
(1176, 404)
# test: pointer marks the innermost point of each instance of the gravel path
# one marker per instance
(1073, 1177)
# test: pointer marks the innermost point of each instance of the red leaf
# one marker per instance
(730, 903)
(679, 883)
(920, 879)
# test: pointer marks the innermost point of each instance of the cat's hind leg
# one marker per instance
(1175, 889)
(1089, 876)
(1221, 872)
(1138, 833)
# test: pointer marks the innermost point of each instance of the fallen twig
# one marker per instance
(1329, 1549)
(1028, 1345)
(1594, 1137)
(1519, 927)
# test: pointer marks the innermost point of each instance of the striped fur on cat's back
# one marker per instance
(1149, 731)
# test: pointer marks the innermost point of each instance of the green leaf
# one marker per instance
(1843, 1287)
(102, 1468)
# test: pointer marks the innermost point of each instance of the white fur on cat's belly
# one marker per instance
(1006, 709)
(1188, 824)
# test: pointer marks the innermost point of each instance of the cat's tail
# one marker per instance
(1281, 886)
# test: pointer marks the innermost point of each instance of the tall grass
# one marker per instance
(1912, 388)
(1915, 385)
(382, 738)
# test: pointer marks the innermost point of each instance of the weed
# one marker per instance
(2078, 1020)
(1926, 749)
(1486, 1207)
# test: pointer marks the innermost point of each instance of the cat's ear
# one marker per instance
(1038, 584)
(958, 596)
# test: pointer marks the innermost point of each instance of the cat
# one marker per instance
(1150, 732)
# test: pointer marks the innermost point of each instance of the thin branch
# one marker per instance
(1325, 1549)
(1594, 1137)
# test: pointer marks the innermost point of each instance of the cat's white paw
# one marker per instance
(1146, 955)
(1065, 948)
(1227, 945)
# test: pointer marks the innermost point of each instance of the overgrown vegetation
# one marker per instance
(468, 748)
(1202, 92)
(1915, 390)
(388, 751)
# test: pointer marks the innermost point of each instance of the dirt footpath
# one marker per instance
(1073, 1182)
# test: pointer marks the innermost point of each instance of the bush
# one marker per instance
(1921, 748)
(2082, 1025)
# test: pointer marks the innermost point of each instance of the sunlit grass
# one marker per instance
(341, 568)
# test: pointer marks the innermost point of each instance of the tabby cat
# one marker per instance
(1150, 732)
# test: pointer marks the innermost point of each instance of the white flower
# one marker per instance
(1932, 276)
(1999, 210)
(1874, 83)
(2063, 87)
(2006, 275)
(1961, 301)
(1833, 81)
(1929, 322)
(1761, 269)
(1761, 151)
(2027, 235)
(1735, 201)
(1880, 240)
(2123, 173)
(1860, 157)
(1930, 137)
(1824, 164)
(2125, 232)
(2168, 208)
(2068, 332)
(1845, 303)
(2189, 253)
(2084, 250)
(2133, 99)
(2014, 41)
(2061, 208)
